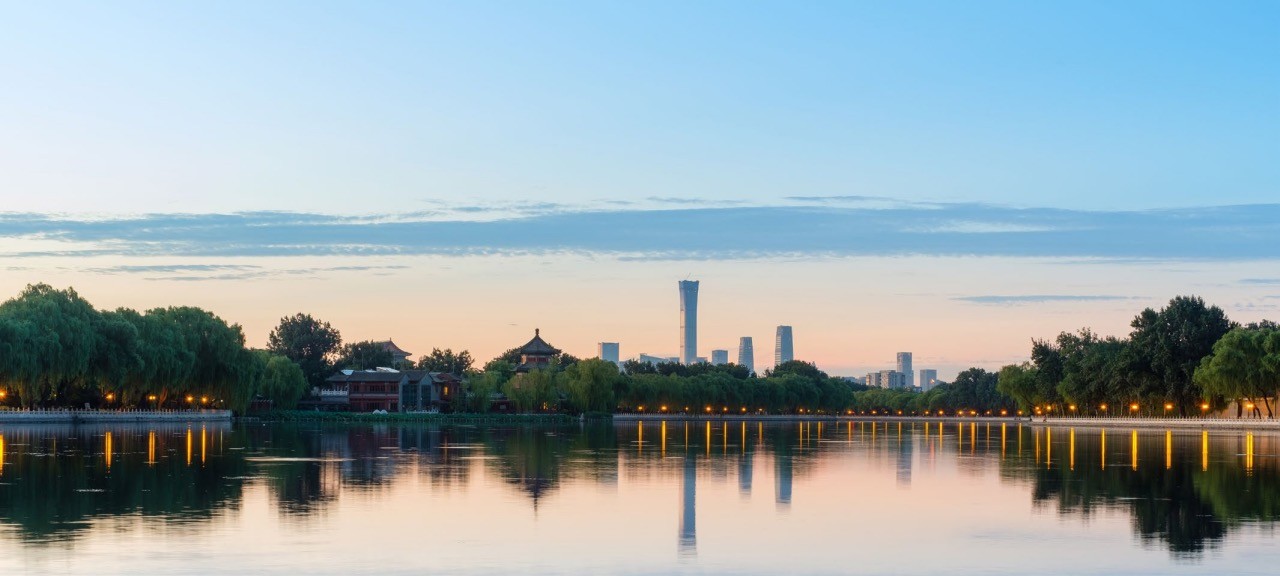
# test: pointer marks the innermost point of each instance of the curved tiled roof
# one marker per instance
(538, 346)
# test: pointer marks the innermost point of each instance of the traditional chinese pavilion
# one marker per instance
(536, 354)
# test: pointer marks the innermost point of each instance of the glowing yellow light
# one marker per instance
(663, 408)
(1004, 412)
(111, 397)
(190, 399)
(1168, 407)
(1249, 405)
(1133, 407)
(1104, 407)
(1073, 407)
(204, 399)
(151, 397)
(640, 408)
(1204, 406)
(3, 393)
(708, 408)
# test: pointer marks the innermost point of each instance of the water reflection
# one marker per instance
(1183, 491)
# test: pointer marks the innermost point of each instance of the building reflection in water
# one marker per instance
(904, 458)
(783, 464)
(689, 506)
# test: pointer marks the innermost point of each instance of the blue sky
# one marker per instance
(1027, 167)
(356, 107)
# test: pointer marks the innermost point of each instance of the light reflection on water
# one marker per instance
(652, 497)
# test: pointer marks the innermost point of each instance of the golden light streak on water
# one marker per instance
(664, 438)
(1, 454)
(1048, 448)
(1104, 449)
(151, 447)
(1133, 449)
(708, 442)
(1248, 452)
(204, 440)
(188, 446)
(1072, 450)
(1004, 435)
(1036, 433)
(1204, 451)
(639, 437)
(973, 437)
(1168, 449)
(106, 449)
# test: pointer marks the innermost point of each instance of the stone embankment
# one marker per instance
(95, 416)
(1163, 423)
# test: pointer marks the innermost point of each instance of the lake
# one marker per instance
(705, 497)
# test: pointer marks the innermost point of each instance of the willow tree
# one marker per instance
(1239, 368)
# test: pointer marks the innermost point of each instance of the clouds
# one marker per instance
(221, 272)
(1226, 232)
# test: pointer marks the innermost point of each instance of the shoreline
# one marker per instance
(101, 416)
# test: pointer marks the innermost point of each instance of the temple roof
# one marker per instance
(391, 347)
(538, 346)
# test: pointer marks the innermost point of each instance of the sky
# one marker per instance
(952, 179)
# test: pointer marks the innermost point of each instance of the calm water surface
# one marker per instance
(696, 497)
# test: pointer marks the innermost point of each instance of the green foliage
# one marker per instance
(282, 381)
(446, 361)
(1244, 365)
(310, 343)
(366, 355)
(59, 351)
(589, 385)
(534, 390)
(1173, 341)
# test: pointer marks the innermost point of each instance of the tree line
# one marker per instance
(56, 349)
(1184, 359)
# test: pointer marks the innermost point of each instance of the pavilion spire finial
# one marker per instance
(537, 332)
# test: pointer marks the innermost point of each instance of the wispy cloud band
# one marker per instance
(1227, 232)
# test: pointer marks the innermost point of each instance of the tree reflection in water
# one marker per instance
(1184, 491)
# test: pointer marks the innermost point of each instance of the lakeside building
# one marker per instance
(783, 350)
(608, 352)
(928, 379)
(688, 321)
(719, 357)
(904, 366)
(385, 389)
(747, 354)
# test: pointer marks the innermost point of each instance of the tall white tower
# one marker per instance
(688, 321)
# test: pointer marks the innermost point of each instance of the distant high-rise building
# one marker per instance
(719, 357)
(688, 321)
(904, 366)
(609, 351)
(886, 379)
(783, 350)
(746, 354)
(655, 360)
(928, 379)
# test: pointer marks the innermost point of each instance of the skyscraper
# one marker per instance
(783, 350)
(746, 354)
(719, 357)
(928, 379)
(609, 351)
(904, 366)
(688, 321)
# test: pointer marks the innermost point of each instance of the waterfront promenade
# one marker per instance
(95, 416)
